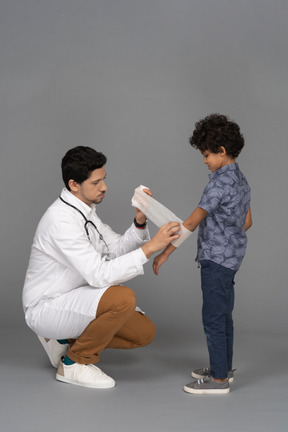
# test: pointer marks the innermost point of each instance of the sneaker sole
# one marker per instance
(99, 386)
(206, 391)
(194, 375)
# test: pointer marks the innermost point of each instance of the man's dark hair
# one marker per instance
(217, 130)
(79, 162)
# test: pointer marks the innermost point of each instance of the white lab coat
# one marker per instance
(68, 273)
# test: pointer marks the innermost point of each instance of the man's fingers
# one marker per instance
(173, 225)
(174, 237)
(147, 191)
(174, 230)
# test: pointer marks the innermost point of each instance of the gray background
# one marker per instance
(131, 78)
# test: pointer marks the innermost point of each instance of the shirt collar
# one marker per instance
(229, 167)
(72, 199)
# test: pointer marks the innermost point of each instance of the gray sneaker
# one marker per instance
(207, 385)
(205, 372)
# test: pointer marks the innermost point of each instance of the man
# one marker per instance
(72, 297)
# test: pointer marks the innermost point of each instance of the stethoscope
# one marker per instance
(87, 222)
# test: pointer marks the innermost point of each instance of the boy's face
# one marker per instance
(214, 161)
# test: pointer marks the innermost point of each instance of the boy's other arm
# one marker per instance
(248, 221)
(191, 223)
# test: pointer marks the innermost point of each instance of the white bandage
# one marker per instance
(157, 213)
(184, 234)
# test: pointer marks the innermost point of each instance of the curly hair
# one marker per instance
(215, 131)
(78, 163)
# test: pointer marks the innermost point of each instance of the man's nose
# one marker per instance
(104, 186)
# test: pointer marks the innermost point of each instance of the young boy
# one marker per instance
(223, 216)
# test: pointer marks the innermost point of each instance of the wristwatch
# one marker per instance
(141, 226)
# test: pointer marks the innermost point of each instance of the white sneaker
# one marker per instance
(54, 350)
(84, 375)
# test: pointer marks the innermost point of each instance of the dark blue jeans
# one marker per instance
(217, 283)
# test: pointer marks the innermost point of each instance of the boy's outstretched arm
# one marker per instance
(191, 223)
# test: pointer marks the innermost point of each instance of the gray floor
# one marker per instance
(148, 395)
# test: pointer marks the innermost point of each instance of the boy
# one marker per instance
(223, 216)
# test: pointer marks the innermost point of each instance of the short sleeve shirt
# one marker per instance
(221, 234)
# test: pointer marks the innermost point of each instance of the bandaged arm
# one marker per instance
(189, 225)
(184, 234)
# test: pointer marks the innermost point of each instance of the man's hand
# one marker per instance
(140, 216)
(159, 260)
(162, 238)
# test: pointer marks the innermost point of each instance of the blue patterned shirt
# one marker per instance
(221, 234)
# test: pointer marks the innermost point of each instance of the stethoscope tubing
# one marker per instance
(87, 222)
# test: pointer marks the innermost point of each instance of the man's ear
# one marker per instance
(73, 185)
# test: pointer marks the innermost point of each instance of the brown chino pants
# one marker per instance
(117, 325)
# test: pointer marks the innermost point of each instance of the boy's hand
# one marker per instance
(158, 261)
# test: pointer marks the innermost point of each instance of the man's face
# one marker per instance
(93, 189)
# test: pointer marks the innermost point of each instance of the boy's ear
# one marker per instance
(222, 150)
